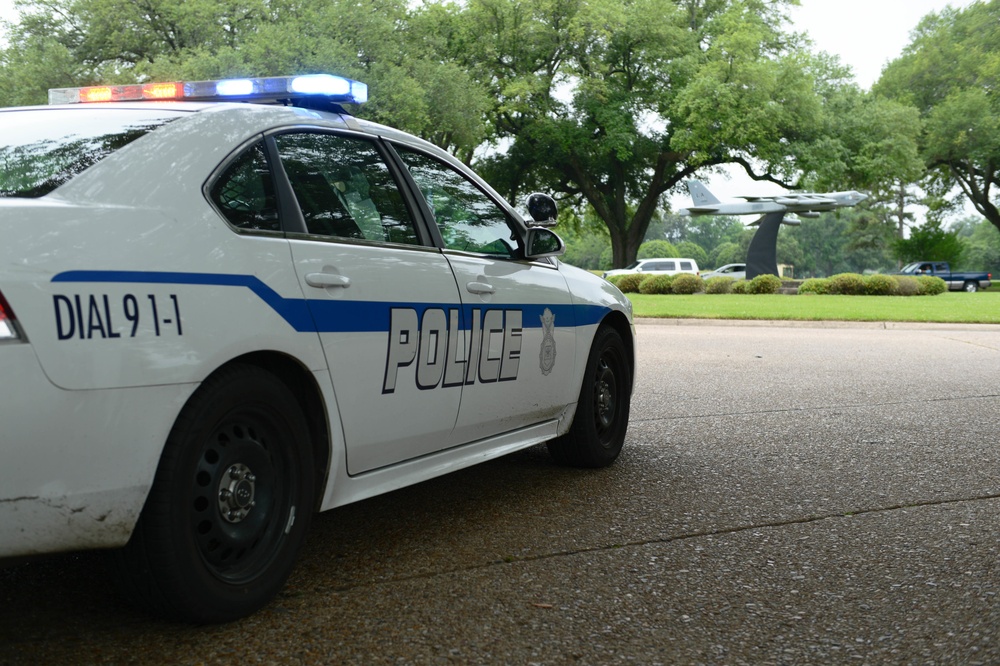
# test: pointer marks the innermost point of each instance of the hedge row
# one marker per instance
(689, 283)
(852, 284)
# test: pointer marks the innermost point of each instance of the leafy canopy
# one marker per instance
(949, 73)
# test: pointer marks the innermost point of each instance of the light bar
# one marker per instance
(269, 89)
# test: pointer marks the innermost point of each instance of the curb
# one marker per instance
(797, 323)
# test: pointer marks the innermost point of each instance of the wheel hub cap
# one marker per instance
(236, 493)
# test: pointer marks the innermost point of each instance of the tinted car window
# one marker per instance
(469, 220)
(244, 193)
(685, 265)
(41, 149)
(345, 189)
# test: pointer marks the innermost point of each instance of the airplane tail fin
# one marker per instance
(700, 194)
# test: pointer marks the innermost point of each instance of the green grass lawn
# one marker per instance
(950, 307)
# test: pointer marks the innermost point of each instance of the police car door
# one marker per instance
(379, 294)
(517, 316)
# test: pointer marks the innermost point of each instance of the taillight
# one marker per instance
(8, 322)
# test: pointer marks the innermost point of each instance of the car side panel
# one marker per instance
(105, 311)
(524, 344)
(385, 337)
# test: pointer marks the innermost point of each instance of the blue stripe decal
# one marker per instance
(335, 316)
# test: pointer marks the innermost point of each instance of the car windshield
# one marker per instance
(43, 148)
(634, 264)
(910, 268)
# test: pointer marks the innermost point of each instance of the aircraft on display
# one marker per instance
(762, 253)
(802, 204)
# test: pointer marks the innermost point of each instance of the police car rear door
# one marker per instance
(518, 317)
(380, 297)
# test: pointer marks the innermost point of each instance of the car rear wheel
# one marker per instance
(598, 432)
(230, 503)
(971, 287)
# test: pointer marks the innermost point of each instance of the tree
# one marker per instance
(711, 231)
(617, 102)
(694, 251)
(980, 245)
(825, 247)
(586, 239)
(657, 248)
(949, 73)
(929, 242)
(61, 43)
(869, 143)
(727, 253)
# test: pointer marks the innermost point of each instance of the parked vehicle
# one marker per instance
(970, 282)
(735, 271)
(657, 266)
(219, 316)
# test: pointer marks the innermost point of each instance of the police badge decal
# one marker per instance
(547, 354)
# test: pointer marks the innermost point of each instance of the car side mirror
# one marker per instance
(542, 209)
(540, 242)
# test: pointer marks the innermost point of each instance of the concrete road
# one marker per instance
(787, 495)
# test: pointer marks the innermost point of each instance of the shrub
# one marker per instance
(880, 285)
(741, 287)
(656, 284)
(719, 285)
(848, 284)
(629, 283)
(764, 284)
(931, 285)
(907, 285)
(815, 286)
(687, 283)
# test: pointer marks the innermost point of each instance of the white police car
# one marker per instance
(217, 318)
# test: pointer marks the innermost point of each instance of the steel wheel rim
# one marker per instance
(238, 535)
(606, 397)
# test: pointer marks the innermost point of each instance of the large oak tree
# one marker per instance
(950, 73)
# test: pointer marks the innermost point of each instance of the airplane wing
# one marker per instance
(804, 199)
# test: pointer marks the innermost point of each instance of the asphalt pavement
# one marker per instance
(788, 494)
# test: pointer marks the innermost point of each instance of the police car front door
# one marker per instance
(385, 304)
(518, 315)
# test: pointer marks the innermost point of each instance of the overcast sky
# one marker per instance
(866, 34)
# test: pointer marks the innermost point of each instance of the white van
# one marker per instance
(657, 266)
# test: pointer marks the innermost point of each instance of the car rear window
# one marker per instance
(41, 149)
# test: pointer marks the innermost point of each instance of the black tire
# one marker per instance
(971, 287)
(598, 432)
(230, 503)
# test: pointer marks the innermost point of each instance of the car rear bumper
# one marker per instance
(75, 466)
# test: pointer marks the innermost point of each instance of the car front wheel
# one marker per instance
(230, 503)
(598, 432)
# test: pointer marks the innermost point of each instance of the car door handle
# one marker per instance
(327, 280)
(480, 288)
